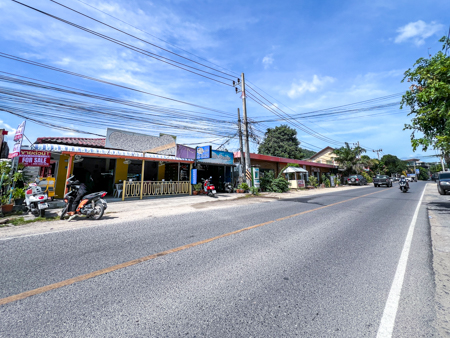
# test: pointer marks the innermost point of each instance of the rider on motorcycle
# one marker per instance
(82, 191)
(403, 179)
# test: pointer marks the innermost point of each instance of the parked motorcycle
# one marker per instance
(91, 205)
(403, 185)
(209, 187)
(228, 187)
(36, 199)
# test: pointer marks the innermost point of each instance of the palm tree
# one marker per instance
(349, 159)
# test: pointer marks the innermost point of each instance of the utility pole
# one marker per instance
(378, 153)
(240, 143)
(246, 162)
(247, 146)
(442, 163)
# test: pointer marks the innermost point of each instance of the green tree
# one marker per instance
(306, 153)
(435, 168)
(428, 98)
(393, 164)
(423, 174)
(281, 141)
(349, 158)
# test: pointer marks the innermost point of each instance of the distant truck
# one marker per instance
(379, 180)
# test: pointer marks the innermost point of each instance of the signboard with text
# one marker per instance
(18, 136)
(301, 183)
(34, 158)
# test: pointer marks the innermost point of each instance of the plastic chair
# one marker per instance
(118, 190)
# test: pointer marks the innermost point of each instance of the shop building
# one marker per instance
(277, 164)
(112, 170)
(219, 166)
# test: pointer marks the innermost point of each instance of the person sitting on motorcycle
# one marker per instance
(82, 191)
(403, 179)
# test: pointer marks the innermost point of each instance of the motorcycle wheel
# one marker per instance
(63, 212)
(99, 210)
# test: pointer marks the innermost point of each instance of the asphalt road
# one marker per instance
(321, 266)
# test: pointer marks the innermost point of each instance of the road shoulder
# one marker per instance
(438, 207)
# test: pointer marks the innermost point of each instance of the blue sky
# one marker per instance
(308, 55)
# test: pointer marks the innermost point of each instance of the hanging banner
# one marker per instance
(34, 158)
(18, 136)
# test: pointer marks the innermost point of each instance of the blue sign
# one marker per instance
(204, 152)
(417, 171)
(194, 176)
(220, 157)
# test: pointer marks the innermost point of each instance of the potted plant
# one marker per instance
(244, 187)
(197, 189)
(6, 206)
(18, 195)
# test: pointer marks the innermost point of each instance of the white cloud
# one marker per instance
(298, 89)
(7, 127)
(417, 32)
(267, 61)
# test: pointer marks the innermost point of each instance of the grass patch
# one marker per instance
(246, 196)
(22, 221)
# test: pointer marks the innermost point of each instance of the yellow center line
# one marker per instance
(90, 275)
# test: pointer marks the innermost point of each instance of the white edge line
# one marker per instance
(387, 323)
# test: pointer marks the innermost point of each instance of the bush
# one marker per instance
(279, 184)
(326, 181)
(244, 186)
(198, 187)
(313, 181)
(266, 180)
(254, 190)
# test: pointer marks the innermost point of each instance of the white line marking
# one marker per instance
(390, 311)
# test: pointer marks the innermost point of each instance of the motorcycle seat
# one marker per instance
(93, 195)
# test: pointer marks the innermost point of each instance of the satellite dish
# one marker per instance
(127, 162)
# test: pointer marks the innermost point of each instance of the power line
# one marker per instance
(132, 47)
(37, 64)
(165, 41)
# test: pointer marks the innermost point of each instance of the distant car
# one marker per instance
(434, 177)
(379, 180)
(443, 182)
(356, 180)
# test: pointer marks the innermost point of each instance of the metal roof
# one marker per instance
(76, 141)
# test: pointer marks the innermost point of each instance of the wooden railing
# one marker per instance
(154, 188)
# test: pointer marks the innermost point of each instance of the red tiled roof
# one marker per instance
(78, 141)
(268, 158)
